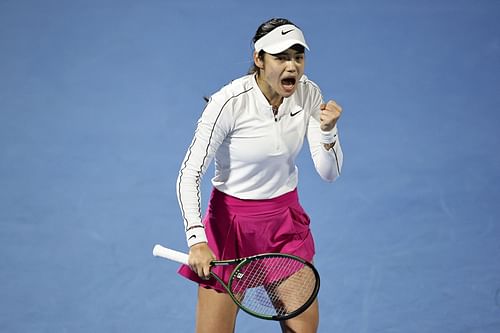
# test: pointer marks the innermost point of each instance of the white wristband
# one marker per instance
(328, 137)
(196, 235)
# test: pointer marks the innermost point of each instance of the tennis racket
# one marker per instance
(271, 286)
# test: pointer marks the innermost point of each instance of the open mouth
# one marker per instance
(288, 83)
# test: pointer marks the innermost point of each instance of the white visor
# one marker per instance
(280, 39)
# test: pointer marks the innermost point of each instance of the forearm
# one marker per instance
(330, 159)
(326, 152)
(188, 196)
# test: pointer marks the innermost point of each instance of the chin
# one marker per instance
(287, 93)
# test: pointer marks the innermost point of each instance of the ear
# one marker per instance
(259, 62)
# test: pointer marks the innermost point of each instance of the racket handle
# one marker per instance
(163, 252)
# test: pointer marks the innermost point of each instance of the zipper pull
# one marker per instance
(275, 113)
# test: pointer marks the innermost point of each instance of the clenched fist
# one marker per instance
(330, 114)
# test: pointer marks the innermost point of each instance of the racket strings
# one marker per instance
(275, 286)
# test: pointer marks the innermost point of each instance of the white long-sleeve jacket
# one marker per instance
(254, 150)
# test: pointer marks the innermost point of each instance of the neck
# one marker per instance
(272, 97)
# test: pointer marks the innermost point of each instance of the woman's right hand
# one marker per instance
(200, 257)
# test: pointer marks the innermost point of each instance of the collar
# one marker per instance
(288, 105)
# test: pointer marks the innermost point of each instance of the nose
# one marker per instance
(291, 66)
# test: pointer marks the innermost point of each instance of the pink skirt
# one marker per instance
(239, 228)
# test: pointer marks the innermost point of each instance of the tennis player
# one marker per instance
(254, 128)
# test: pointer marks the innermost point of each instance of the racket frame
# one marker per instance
(182, 258)
(245, 261)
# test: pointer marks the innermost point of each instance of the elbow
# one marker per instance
(331, 174)
(331, 178)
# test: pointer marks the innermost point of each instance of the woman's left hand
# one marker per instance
(330, 114)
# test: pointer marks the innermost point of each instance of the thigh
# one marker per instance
(306, 322)
(215, 312)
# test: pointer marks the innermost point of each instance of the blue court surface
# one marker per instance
(99, 101)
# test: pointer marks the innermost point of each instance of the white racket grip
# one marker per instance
(163, 252)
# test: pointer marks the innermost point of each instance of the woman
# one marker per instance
(254, 128)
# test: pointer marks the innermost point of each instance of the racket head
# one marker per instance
(274, 286)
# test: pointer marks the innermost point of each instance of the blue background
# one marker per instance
(98, 103)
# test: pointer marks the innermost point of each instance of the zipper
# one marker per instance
(277, 136)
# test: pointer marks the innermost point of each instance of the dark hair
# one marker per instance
(263, 30)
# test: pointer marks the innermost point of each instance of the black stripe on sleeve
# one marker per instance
(200, 169)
